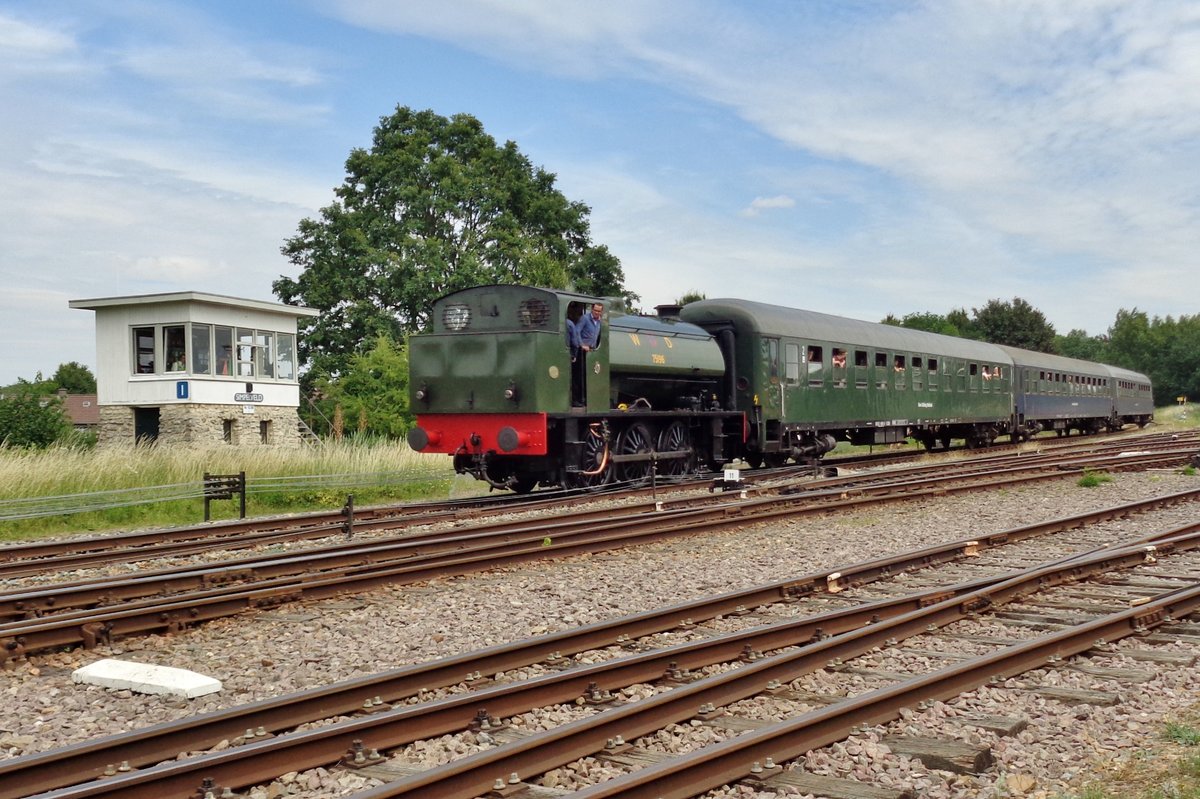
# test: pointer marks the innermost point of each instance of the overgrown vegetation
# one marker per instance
(398, 473)
(1092, 479)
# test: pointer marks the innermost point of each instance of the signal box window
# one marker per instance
(223, 348)
(201, 349)
(264, 354)
(245, 352)
(173, 346)
(143, 350)
(286, 352)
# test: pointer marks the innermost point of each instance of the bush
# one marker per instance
(30, 420)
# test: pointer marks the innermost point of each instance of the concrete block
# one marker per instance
(146, 678)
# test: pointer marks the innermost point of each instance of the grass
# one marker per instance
(397, 472)
(1167, 769)
(1092, 479)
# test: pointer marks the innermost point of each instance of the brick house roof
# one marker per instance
(81, 409)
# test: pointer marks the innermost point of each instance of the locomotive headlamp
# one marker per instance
(423, 392)
(511, 393)
(456, 317)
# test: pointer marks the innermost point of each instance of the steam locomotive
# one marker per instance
(717, 380)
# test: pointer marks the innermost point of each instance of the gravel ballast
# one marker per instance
(298, 646)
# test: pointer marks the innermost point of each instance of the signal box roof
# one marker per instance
(197, 297)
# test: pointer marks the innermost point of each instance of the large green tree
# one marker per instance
(75, 378)
(1016, 323)
(433, 206)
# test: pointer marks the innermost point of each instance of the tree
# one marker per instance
(1017, 324)
(1078, 344)
(29, 419)
(435, 205)
(927, 321)
(75, 378)
(373, 392)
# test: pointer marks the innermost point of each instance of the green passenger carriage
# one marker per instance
(806, 380)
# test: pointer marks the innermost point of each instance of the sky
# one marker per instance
(851, 157)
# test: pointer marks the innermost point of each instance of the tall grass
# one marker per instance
(398, 472)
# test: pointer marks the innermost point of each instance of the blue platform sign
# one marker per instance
(181, 389)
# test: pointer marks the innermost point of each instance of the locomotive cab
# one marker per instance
(496, 366)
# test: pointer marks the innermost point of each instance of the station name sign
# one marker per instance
(247, 397)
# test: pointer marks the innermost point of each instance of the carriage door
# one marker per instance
(773, 402)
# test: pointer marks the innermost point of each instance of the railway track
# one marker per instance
(101, 610)
(813, 623)
(64, 556)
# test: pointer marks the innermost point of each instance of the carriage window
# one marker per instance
(974, 369)
(791, 362)
(933, 373)
(839, 358)
(916, 363)
(773, 359)
(933, 364)
(860, 357)
(898, 363)
(816, 360)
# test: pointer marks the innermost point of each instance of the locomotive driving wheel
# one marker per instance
(676, 438)
(635, 440)
(596, 468)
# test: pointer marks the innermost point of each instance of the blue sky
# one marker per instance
(857, 158)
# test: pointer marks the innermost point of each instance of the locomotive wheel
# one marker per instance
(675, 438)
(635, 440)
(596, 465)
(525, 483)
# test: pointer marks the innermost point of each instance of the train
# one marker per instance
(695, 387)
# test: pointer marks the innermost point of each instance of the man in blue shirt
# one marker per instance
(589, 329)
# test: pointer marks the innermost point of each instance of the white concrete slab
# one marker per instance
(146, 678)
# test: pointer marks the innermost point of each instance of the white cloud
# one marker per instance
(759, 204)
(26, 40)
